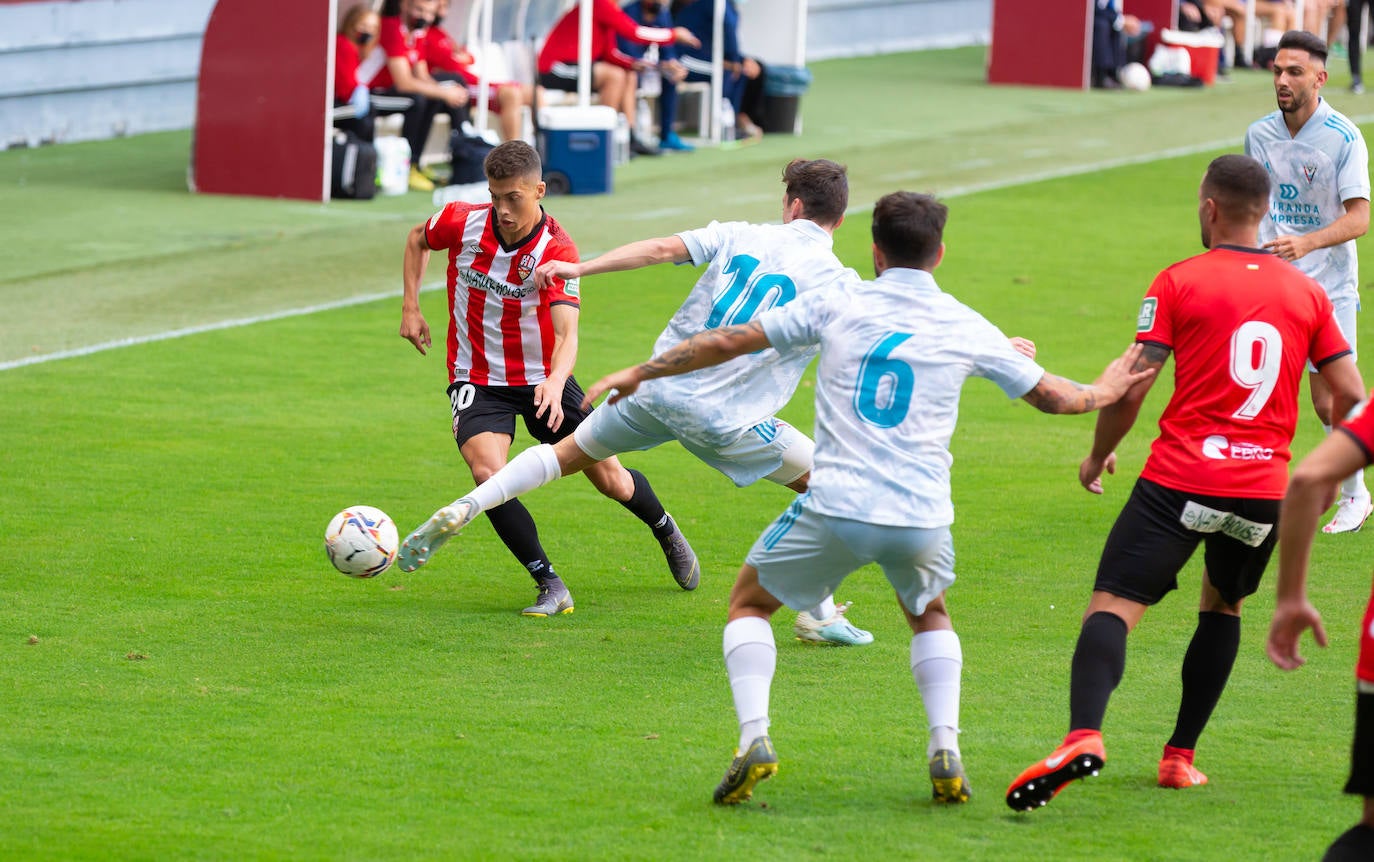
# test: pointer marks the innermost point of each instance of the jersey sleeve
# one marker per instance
(1328, 342)
(1153, 325)
(391, 38)
(1352, 174)
(799, 323)
(1361, 430)
(613, 16)
(445, 228)
(996, 360)
(703, 243)
(562, 291)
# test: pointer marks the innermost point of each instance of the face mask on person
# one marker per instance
(364, 38)
(651, 9)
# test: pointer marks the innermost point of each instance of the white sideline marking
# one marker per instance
(207, 327)
(957, 191)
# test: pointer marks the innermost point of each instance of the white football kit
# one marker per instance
(724, 414)
(895, 353)
(1312, 174)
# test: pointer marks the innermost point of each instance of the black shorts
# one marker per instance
(477, 409)
(1159, 529)
(1362, 752)
(563, 77)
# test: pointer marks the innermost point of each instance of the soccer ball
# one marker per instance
(361, 541)
(1134, 76)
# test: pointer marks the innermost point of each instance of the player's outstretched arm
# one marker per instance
(1115, 420)
(702, 350)
(1311, 489)
(645, 252)
(414, 328)
(1055, 394)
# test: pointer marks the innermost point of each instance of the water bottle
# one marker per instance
(620, 140)
(727, 121)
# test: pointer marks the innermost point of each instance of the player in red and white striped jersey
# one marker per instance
(511, 347)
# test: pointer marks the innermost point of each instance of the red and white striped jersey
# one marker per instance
(500, 332)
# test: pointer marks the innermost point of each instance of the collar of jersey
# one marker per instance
(917, 278)
(496, 230)
(812, 230)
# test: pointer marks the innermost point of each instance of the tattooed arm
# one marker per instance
(1115, 420)
(1055, 394)
(702, 350)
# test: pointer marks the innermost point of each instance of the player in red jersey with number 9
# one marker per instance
(1241, 324)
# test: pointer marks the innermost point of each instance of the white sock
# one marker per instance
(936, 663)
(825, 610)
(751, 656)
(532, 468)
(1353, 485)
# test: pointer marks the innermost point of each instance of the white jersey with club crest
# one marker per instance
(1311, 174)
(752, 268)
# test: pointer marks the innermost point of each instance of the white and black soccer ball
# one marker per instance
(361, 541)
(1134, 76)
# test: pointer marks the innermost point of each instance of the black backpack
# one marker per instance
(468, 152)
(354, 173)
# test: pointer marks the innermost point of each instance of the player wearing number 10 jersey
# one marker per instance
(723, 416)
(1241, 324)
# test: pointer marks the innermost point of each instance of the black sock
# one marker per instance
(646, 507)
(515, 525)
(1206, 667)
(1098, 663)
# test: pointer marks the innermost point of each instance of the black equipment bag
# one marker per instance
(354, 173)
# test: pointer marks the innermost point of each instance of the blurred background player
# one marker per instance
(450, 61)
(1309, 494)
(511, 349)
(1319, 205)
(356, 63)
(401, 38)
(665, 70)
(894, 355)
(725, 416)
(1240, 324)
(743, 76)
(613, 78)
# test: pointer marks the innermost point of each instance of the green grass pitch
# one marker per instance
(185, 677)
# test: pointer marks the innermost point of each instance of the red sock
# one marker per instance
(1185, 753)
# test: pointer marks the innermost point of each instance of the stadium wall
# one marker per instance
(74, 70)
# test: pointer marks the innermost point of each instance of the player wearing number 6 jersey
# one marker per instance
(894, 354)
(1241, 324)
(723, 415)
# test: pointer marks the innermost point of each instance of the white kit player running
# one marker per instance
(894, 355)
(1318, 168)
(723, 416)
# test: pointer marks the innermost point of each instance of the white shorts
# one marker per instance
(1345, 312)
(770, 450)
(803, 556)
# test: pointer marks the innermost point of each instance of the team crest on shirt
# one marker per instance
(1146, 321)
(525, 266)
(1309, 172)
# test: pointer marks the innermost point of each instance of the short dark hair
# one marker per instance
(513, 159)
(908, 229)
(821, 185)
(1301, 40)
(1239, 185)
